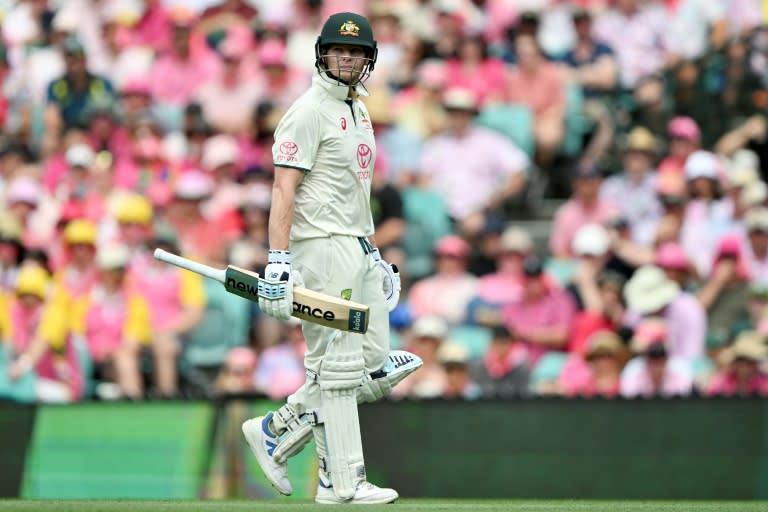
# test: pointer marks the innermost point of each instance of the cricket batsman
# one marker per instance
(321, 237)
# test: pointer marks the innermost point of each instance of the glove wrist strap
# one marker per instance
(376, 254)
(279, 257)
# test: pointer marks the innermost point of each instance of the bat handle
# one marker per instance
(185, 263)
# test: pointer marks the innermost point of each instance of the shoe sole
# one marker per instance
(353, 502)
(261, 458)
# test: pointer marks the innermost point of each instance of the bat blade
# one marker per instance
(308, 305)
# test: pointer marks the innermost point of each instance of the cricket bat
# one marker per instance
(308, 305)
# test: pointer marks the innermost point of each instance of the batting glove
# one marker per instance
(276, 289)
(390, 280)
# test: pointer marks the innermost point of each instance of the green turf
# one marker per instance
(401, 506)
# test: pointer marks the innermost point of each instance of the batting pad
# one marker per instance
(339, 377)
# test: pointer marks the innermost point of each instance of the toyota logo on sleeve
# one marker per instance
(364, 155)
(289, 148)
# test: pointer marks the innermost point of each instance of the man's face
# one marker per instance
(345, 61)
(759, 240)
(637, 162)
(75, 63)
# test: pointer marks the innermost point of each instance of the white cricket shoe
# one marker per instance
(263, 443)
(365, 494)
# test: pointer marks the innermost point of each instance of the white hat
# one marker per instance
(742, 176)
(193, 185)
(650, 290)
(591, 240)
(113, 256)
(220, 150)
(79, 155)
(515, 238)
(756, 219)
(452, 352)
(753, 194)
(701, 164)
(430, 326)
(459, 98)
(745, 159)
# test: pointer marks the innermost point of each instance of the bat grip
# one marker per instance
(185, 263)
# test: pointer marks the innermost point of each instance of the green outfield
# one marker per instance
(401, 506)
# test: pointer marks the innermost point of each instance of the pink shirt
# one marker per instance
(570, 217)
(154, 28)
(104, 323)
(498, 288)
(487, 80)
(677, 381)
(160, 287)
(578, 379)
(467, 171)
(556, 309)
(175, 81)
(445, 296)
(540, 91)
(726, 384)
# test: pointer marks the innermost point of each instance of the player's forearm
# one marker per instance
(281, 217)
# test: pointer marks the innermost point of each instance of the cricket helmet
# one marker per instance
(347, 28)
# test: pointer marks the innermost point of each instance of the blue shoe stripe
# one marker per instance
(270, 447)
(329, 486)
(265, 426)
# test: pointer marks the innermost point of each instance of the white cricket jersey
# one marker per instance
(332, 141)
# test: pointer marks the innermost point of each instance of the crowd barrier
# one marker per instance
(545, 448)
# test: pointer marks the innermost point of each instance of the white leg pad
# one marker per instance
(339, 377)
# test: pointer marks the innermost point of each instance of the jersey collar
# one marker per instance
(338, 91)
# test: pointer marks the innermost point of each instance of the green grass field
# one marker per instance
(401, 506)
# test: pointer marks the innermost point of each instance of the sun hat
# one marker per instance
(649, 290)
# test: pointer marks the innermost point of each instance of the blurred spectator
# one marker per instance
(448, 292)
(673, 196)
(115, 323)
(584, 207)
(486, 247)
(651, 293)
(280, 371)
(652, 372)
(228, 98)
(635, 31)
(154, 25)
(236, 375)
(458, 383)
(756, 250)
(11, 252)
(693, 26)
(650, 106)
(708, 215)
(542, 317)
(251, 248)
(40, 339)
(671, 258)
(220, 157)
(503, 371)
(419, 108)
(742, 375)
(387, 212)
(749, 134)
(693, 97)
(70, 96)
(598, 373)
(475, 169)
(593, 63)
(724, 292)
(428, 333)
(634, 190)
(176, 301)
(77, 273)
(475, 70)
(684, 138)
(280, 82)
(603, 310)
(540, 86)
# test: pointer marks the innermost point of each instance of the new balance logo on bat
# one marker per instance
(315, 312)
(242, 286)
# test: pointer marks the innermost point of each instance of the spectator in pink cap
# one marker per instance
(671, 258)
(280, 371)
(448, 292)
(22, 198)
(724, 292)
(685, 138)
(220, 157)
(236, 375)
(280, 82)
(742, 375)
(227, 98)
(652, 372)
(419, 108)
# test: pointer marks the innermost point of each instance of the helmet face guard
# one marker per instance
(345, 28)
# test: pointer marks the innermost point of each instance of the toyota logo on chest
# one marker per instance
(364, 155)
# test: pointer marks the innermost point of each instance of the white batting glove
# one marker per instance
(390, 280)
(276, 289)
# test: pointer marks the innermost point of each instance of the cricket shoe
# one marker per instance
(263, 443)
(365, 494)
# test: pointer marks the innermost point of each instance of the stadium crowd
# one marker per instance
(641, 125)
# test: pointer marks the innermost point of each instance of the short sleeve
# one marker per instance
(297, 138)
(191, 290)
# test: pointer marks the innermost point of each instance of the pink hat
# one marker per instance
(272, 53)
(234, 47)
(683, 127)
(671, 184)
(220, 150)
(431, 73)
(136, 85)
(671, 256)
(24, 190)
(452, 245)
(732, 246)
(647, 333)
(193, 185)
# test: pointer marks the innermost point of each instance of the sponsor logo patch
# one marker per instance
(346, 294)
(364, 155)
